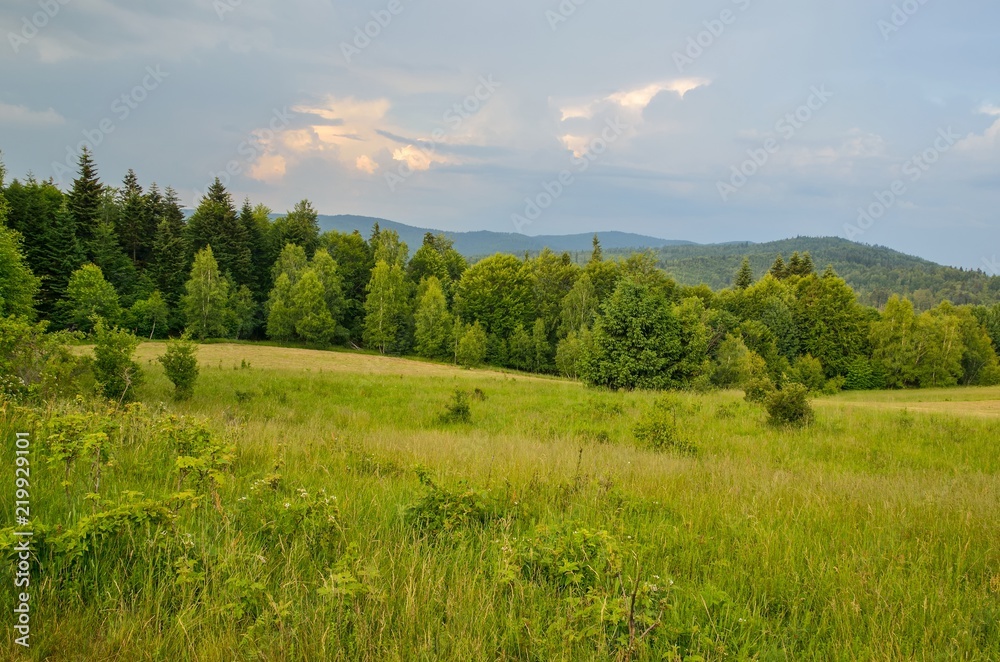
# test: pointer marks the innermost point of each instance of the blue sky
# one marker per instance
(706, 121)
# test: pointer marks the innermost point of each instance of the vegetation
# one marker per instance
(180, 364)
(301, 522)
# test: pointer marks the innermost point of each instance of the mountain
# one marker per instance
(875, 272)
(482, 243)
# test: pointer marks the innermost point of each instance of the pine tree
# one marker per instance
(744, 278)
(206, 303)
(215, 223)
(778, 269)
(133, 222)
(300, 227)
(85, 200)
(598, 253)
(171, 255)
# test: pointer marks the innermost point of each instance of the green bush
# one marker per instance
(758, 390)
(458, 410)
(472, 347)
(808, 371)
(863, 375)
(657, 429)
(116, 373)
(790, 406)
(181, 366)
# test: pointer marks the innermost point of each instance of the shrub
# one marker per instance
(181, 366)
(444, 510)
(657, 429)
(790, 406)
(863, 375)
(116, 373)
(34, 363)
(758, 390)
(458, 410)
(808, 371)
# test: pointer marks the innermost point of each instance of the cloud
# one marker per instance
(24, 116)
(986, 143)
(365, 164)
(635, 100)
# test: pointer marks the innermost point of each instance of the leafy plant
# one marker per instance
(790, 406)
(657, 429)
(458, 410)
(181, 365)
(443, 510)
(116, 373)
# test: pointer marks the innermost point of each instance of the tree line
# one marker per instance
(129, 257)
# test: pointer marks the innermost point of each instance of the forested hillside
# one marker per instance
(98, 257)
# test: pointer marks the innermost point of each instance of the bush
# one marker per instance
(758, 390)
(808, 371)
(35, 364)
(116, 373)
(863, 375)
(181, 366)
(458, 410)
(657, 429)
(790, 406)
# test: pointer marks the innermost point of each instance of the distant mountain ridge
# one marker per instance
(483, 242)
(875, 272)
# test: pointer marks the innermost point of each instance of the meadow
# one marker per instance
(328, 509)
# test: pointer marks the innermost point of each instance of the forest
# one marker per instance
(128, 256)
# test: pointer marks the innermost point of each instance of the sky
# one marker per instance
(728, 120)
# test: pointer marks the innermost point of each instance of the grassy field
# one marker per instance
(353, 523)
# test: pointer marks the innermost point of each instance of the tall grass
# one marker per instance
(541, 529)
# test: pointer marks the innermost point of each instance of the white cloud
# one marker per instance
(635, 100)
(22, 115)
(989, 141)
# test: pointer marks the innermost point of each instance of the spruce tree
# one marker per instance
(215, 223)
(171, 254)
(85, 200)
(778, 269)
(744, 278)
(133, 222)
(598, 253)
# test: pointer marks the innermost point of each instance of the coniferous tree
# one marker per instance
(597, 255)
(744, 278)
(215, 223)
(778, 269)
(134, 224)
(171, 255)
(300, 227)
(85, 201)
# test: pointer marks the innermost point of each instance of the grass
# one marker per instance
(540, 530)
